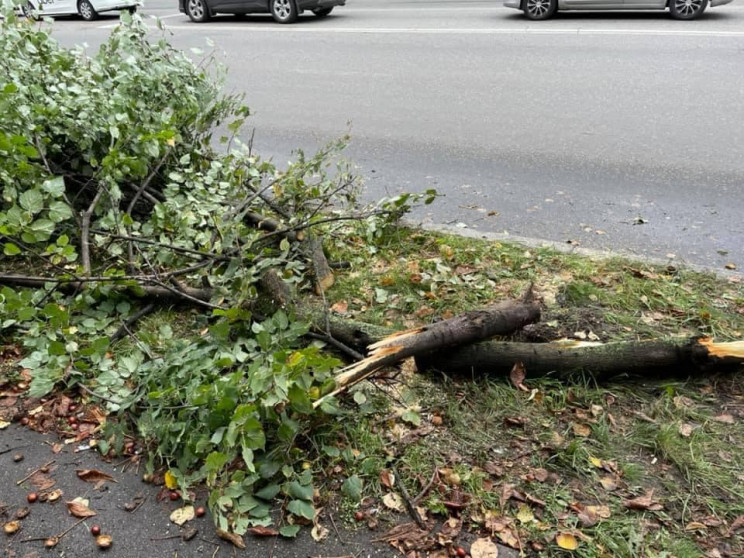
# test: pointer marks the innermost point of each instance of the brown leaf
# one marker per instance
(387, 479)
(685, 429)
(580, 429)
(94, 475)
(484, 548)
(340, 307)
(260, 531)
(725, 418)
(237, 540)
(608, 483)
(541, 475)
(79, 508)
(517, 376)
(42, 481)
(182, 515)
(643, 503)
(451, 528)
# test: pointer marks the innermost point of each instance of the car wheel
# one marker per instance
(87, 11)
(322, 12)
(197, 10)
(541, 9)
(27, 10)
(284, 11)
(687, 9)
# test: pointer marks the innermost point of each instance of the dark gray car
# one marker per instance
(283, 11)
(679, 9)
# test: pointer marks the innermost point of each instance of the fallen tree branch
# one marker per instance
(476, 325)
(634, 358)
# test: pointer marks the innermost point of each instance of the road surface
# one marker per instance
(607, 131)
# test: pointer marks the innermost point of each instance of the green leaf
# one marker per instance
(32, 201)
(289, 531)
(411, 417)
(215, 461)
(54, 186)
(11, 249)
(302, 492)
(268, 492)
(352, 488)
(299, 400)
(59, 211)
(301, 508)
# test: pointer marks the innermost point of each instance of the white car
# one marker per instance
(87, 9)
(679, 9)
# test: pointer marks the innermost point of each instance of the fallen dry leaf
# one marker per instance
(541, 475)
(237, 540)
(517, 376)
(725, 418)
(581, 429)
(608, 483)
(261, 531)
(451, 528)
(566, 541)
(340, 307)
(387, 479)
(79, 508)
(104, 541)
(695, 526)
(685, 429)
(643, 503)
(484, 548)
(94, 475)
(4, 424)
(54, 495)
(11, 527)
(182, 515)
(393, 501)
(318, 532)
(525, 515)
(42, 481)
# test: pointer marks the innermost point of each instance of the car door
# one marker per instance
(55, 7)
(645, 4)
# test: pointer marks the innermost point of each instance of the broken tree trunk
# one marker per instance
(634, 358)
(476, 325)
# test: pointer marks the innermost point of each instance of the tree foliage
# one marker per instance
(114, 196)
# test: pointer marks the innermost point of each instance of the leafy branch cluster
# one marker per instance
(116, 201)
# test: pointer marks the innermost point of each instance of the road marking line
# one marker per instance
(477, 31)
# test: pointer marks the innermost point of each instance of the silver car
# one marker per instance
(679, 9)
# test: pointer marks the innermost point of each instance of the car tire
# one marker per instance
(87, 11)
(538, 10)
(687, 9)
(283, 11)
(322, 12)
(197, 10)
(27, 10)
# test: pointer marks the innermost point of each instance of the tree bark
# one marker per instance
(634, 358)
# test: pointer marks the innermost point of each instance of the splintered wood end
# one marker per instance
(732, 349)
(397, 336)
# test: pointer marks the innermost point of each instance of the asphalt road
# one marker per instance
(612, 131)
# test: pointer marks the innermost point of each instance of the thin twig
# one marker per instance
(98, 396)
(407, 499)
(125, 327)
(426, 488)
(336, 343)
(335, 529)
(85, 232)
(32, 473)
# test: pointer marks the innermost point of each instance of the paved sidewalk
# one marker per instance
(139, 533)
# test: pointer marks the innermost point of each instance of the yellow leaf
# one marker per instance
(525, 514)
(182, 515)
(4, 424)
(170, 481)
(567, 541)
(596, 462)
(171, 142)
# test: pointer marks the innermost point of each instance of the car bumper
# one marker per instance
(517, 4)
